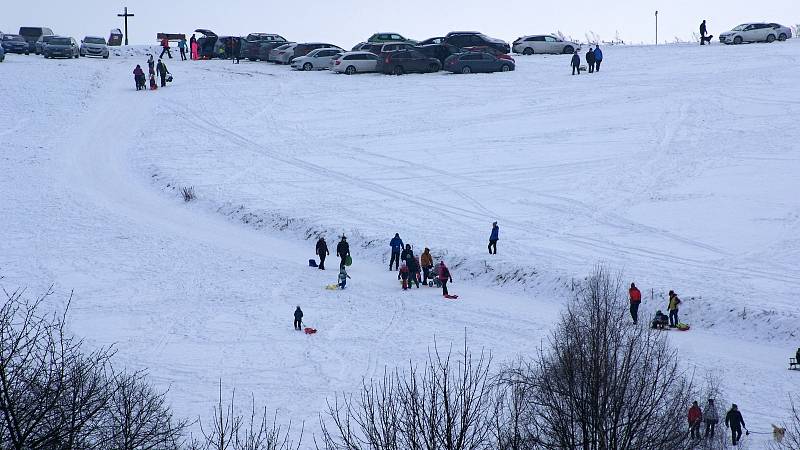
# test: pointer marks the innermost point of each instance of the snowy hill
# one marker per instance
(675, 164)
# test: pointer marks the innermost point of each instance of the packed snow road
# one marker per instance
(671, 163)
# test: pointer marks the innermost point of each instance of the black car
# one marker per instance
(258, 45)
(407, 61)
(433, 40)
(32, 34)
(14, 43)
(472, 40)
(61, 47)
(304, 48)
(438, 51)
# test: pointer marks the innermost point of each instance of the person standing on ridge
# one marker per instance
(397, 247)
(343, 251)
(598, 57)
(636, 300)
(735, 421)
(576, 63)
(165, 48)
(298, 318)
(322, 252)
(590, 59)
(426, 260)
(674, 301)
(493, 238)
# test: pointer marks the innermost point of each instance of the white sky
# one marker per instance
(347, 22)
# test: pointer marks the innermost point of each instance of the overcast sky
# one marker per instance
(347, 22)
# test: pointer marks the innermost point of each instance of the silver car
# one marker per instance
(544, 43)
(94, 46)
(319, 59)
(756, 32)
(282, 54)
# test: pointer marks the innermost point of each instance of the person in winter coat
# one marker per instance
(598, 57)
(151, 65)
(576, 63)
(322, 252)
(182, 48)
(413, 270)
(343, 276)
(711, 418)
(161, 68)
(590, 60)
(343, 251)
(735, 421)
(407, 253)
(397, 246)
(660, 320)
(165, 48)
(444, 277)
(636, 299)
(138, 78)
(674, 301)
(193, 48)
(703, 32)
(695, 417)
(298, 318)
(426, 260)
(493, 238)
(403, 274)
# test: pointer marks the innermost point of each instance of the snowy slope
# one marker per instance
(675, 164)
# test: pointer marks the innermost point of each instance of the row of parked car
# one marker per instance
(42, 41)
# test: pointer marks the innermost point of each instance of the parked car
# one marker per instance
(14, 43)
(206, 43)
(317, 59)
(281, 54)
(544, 43)
(304, 48)
(438, 51)
(2, 54)
(355, 62)
(41, 42)
(360, 46)
(478, 62)
(433, 40)
(32, 34)
(407, 61)
(472, 40)
(389, 37)
(61, 46)
(756, 32)
(256, 46)
(94, 46)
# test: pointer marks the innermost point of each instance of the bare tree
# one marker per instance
(791, 426)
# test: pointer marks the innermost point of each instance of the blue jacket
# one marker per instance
(397, 244)
(598, 55)
(495, 233)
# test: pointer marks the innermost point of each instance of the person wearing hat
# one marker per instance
(493, 238)
(426, 261)
(298, 318)
(343, 251)
(735, 422)
(711, 418)
(695, 417)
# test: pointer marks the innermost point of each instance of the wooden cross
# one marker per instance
(125, 15)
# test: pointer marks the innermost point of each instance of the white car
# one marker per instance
(282, 53)
(319, 59)
(94, 46)
(544, 43)
(756, 32)
(355, 62)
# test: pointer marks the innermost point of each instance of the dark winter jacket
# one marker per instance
(734, 420)
(413, 264)
(590, 57)
(342, 249)
(298, 314)
(162, 69)
(703, 30)
(322, 248)
(598, 54)
(495, 233)
(406, 254)
(138, 71)
(444, 273)
(576, 60)
(397, 244)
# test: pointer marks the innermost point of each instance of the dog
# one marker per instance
(778, 433)
(707, 39)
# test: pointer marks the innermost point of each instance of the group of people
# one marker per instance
(342, 251)
(160, 69)
(660, 320)
(710, 417)
(593, 59)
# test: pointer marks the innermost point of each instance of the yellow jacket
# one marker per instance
(674, 301)
(426, 259)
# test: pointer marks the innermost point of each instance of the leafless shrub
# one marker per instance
(188, 193)
(791, 438)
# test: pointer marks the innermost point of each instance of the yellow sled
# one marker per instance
(332, 287)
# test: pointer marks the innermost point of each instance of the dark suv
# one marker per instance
(13, 43)
(407, 61)
(32, 34)
(472, 40)
(258, 45)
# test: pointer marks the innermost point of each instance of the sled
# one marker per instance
(332, 287)
(682, 327)
(348, 261)
(312, 263)
(451, 297)
(309, 330)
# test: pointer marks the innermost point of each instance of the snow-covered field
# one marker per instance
(675, 164)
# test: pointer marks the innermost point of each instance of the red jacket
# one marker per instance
(636, 296)
(165, 42)
(695, 414)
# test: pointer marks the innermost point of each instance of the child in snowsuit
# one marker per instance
(298, 318)
(403, 274)
(343, 276)
(660, 320)
(343, 251)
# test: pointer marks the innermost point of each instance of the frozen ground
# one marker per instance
(675, 164)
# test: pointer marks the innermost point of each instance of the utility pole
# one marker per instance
(656, 27)
(125, 15)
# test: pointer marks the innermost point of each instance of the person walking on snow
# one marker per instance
(322, 252)
(403, 274)
(590, 59)
(413, 270)
(343, 251)
(703, 32)
(493, 238)
(182, 48)
(695, 417)
(444, 277)
(735, 421)
(598, 57)
(165, 48)
(674, 301)
(343, 276)
(162, 72)
(138, 77)
(298, 318)
(426, 260)
(636, 300)
(711, 418)
(576, 63)
(397, 246)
